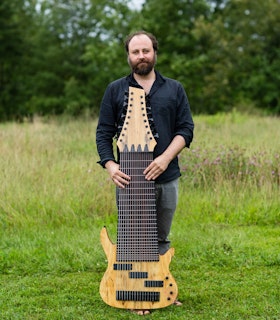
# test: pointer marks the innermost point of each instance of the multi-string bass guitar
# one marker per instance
(137, 276)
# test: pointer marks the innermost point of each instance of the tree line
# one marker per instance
(57, 56)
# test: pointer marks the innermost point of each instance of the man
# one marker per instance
(172, 120)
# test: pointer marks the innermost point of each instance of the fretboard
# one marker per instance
(137, 238)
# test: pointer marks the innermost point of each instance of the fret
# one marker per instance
(137, 225)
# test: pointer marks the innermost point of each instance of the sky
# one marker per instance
(136, 4)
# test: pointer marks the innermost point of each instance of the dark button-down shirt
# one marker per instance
(170, 112)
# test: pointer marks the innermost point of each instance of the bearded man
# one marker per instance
(172, 120)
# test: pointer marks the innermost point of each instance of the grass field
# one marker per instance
(55, 198)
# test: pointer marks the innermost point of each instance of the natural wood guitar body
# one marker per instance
(150, 273)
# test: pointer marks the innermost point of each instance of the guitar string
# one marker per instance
(137, 230)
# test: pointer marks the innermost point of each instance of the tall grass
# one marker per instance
(233, 169)
(49, 174)
(54, 199)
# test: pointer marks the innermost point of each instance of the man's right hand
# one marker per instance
(119, 178)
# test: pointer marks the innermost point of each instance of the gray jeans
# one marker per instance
(166, 203)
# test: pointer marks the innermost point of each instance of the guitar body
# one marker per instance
(146, 285)
(137, 276)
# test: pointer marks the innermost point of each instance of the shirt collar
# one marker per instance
(158, 82)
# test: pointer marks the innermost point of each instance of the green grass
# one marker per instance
(54, 200)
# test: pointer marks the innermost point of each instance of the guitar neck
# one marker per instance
(137, 226)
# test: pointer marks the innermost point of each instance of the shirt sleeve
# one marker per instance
(106, 128)
(184, 121)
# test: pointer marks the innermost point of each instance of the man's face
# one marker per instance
(141, 55)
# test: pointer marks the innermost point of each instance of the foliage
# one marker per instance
(58, 56)
(12, 45)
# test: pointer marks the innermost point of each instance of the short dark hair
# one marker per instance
(138, 33)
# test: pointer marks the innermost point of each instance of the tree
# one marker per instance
(73, 48)
(242, 48)
(57, 56)
(178, 57)
(224, 52)
(11, 48)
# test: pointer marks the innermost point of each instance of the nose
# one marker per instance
(141, 55)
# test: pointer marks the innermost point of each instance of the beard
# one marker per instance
(143, 67)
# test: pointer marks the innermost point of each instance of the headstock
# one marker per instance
(136, 134)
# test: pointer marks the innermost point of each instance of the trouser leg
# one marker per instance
(166, 203)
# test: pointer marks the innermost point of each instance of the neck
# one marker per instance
(149, 77)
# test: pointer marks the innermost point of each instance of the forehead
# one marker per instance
(140, 42)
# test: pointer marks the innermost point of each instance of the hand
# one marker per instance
(119, 178)
(156, 168)
(160, 164)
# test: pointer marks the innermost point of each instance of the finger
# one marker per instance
(120, 181)
(153, 174)
(150, 175)
(148, 169)
(125, 177)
